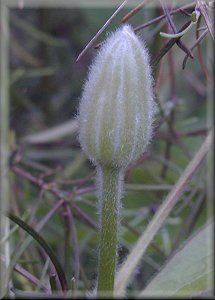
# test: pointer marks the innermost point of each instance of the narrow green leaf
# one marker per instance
(44, 245)
(190, 270)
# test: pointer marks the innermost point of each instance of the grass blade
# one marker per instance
(45, 247)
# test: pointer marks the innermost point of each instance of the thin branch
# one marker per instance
(204, 33)
(168, 46)
(174, 29)
(57, 193)
(30, 277)
(185, 12)
(78, 182)
(202, 7)
(163, 212)
(134, 11)
(100, 31)
(157, 19)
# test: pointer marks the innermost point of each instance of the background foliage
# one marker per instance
(49, 167)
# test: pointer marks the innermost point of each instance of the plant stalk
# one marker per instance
(109, 181)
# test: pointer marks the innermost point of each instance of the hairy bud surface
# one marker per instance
(117, 107)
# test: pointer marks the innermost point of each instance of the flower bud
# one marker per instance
(117, 107)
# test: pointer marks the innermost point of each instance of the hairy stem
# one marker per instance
(109, 182)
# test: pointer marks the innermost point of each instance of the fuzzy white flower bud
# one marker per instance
(117, 106)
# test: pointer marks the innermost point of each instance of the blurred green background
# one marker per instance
(45, 87)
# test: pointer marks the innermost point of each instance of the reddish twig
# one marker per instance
(30, 277)
(57, 193)
(134, 11)
(168, 46)
(202, 7)
(204, 33)
(78, 182)
(183, 11)
(157, 19)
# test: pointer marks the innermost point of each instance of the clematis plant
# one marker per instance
(115, 117)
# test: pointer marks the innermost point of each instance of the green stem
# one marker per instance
(109, 181)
